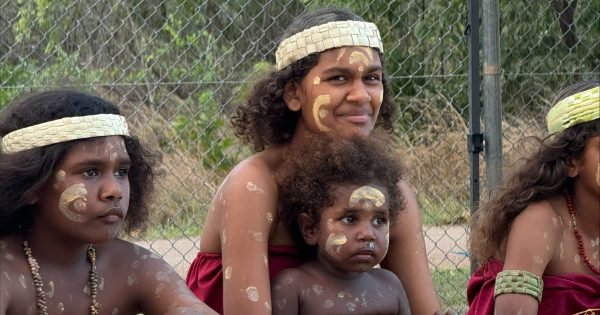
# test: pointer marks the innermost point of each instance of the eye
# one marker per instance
(349, 219)
(91, 172)
(123, 172)
(373, 78)
(379, 221)
(338, 77)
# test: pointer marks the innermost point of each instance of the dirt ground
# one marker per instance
(446, 248)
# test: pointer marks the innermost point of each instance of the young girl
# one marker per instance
(339, 198)
(539, 237)
(72, 178)
(329, 79)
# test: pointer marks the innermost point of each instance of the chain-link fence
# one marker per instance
(177, 68)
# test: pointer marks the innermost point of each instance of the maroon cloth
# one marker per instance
(568, 293)
(205, 276)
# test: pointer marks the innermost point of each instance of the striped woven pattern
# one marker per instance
(575, 109)
(520, 282)
(327, 36)
(65, 129)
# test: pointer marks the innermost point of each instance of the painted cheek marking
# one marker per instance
(381, 97)
(73, 193)
(320, 101)
(334, 243)
(316, 81)
(58, 178)
(252, 293)
(368, 193)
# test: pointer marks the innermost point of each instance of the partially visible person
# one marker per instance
(72, 179)
(538, 238)
(339, 198)
(329, 78)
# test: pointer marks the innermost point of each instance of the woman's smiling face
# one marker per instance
(342, 93)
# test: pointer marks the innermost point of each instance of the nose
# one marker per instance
(111, 189)
(358, 93)
(366, 233)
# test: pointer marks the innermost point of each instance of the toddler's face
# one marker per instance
(353, 234)
(88, 195)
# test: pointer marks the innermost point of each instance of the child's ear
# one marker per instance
(291, 97)
(308, 229)
(573, 167)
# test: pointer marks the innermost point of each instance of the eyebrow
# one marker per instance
(348, 70)
(99, 162)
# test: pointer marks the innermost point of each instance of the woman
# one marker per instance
(329, 78)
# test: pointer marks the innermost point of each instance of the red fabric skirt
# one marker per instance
(563, 294)
(205, 276)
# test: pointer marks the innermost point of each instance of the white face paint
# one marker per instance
(58, 178)
(598, 174)
(319, 114)
(317, 80)
(368, 194)
(334, 243)
(75, 194)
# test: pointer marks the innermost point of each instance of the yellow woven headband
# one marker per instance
(62, 130)
(327, 36)
(575, 109)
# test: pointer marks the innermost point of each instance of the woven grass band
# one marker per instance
(575, 109)
(520, 282)
(65, 129)
(327, 36)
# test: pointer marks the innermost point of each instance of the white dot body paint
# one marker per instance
(258, 236)
(71, 194)
(252, 293)
(131, 280)
(317, 289)
(351, 306)
(554, 221)
(228, 272)
(253, 187)
(281, 304)
(224, 238)
(269, 217)
(320, 101)
(268, 307)
(317, 80)
(22, 281)
(562, 251)
(61, 307)
(50, 292)
(367, 193)
(577, 259)
(328, 303)
(162, 276)
(537, 259)
(9, 257)
(334, 243)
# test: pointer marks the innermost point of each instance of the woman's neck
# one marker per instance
(587, 210)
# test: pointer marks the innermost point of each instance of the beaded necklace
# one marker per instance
(586, 260)
(39, 285)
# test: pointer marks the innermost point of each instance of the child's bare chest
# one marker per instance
(378, 300)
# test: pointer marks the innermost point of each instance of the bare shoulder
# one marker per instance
(540, 215)
(290, 277)
(386, 276)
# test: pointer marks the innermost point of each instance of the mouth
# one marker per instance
(365, 254)
(114, 214)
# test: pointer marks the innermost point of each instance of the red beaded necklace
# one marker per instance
(571, 207)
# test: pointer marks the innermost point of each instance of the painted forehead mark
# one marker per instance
(358, 57)
(72, 193)
(341, 53)
(368, 193)
(321, 100)
(316, 80)
(368, 51)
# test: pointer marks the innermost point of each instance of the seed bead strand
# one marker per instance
(586, 260)
(39, 285)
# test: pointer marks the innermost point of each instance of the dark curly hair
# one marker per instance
(24, 173)
(309, 175)
(265, 119)
(543, 175)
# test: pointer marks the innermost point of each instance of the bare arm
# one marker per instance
(530, 247)
(285, 294)
(248, 205)
(407, 257)
(162, 290)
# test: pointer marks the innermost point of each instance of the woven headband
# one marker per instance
(62, 130)
(575, 109)
(327, 36)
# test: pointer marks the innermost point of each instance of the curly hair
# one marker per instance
(543, 175)
(309, 175)
(265, 119)
(25, 173)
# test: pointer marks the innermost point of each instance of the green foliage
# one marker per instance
(450, 285)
